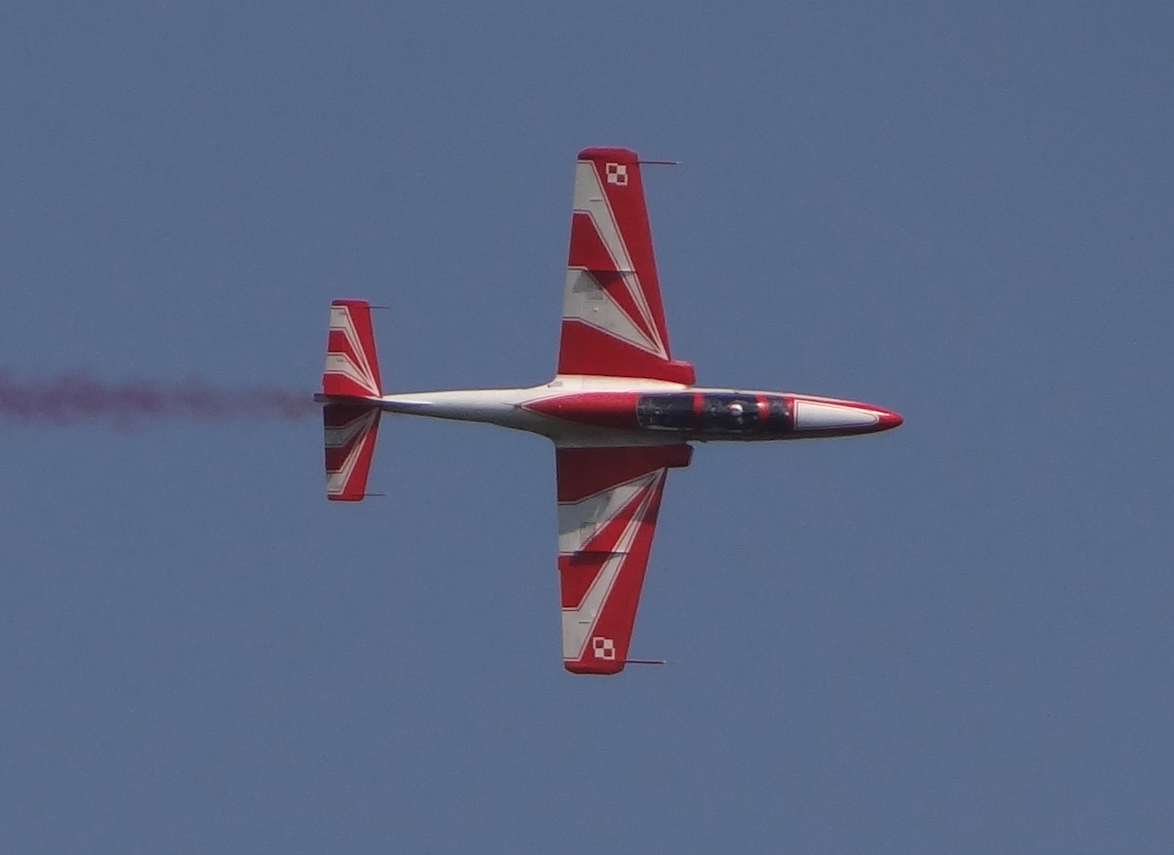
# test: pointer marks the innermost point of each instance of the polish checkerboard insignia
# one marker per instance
(617, 173)
(604, 648)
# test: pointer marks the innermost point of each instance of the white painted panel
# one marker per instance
(810, 415)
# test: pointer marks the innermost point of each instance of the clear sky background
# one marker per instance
(953, 637)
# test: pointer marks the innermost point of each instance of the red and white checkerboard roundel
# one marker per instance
(604, 648)
(617, 173)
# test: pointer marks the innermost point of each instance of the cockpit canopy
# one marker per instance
(716, 412)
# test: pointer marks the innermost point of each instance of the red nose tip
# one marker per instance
(889, 420)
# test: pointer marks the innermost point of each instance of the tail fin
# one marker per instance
(352, 366)
(351, 388)
(350, 431)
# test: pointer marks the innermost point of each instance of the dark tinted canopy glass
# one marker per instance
(668, 412)
(715, 412)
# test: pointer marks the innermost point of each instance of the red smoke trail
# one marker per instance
(80, 397)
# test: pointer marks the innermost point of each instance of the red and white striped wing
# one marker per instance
(613, 316)
(608, 501)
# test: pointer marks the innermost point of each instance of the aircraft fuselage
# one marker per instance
(609, 411)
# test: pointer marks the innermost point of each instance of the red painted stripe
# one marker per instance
(576, 574)
(587, 350)
(599, 409)
(584, 472)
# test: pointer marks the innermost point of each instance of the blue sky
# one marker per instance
(954, 637)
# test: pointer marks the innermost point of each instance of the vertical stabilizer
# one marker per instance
(350, 432)
(352, 366)
(351, 387)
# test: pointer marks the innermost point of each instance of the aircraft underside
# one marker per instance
(620, 411)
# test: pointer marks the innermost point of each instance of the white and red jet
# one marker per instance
(620, 410)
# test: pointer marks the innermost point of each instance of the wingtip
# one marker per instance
(616, 155)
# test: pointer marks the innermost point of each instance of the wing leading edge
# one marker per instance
(613, 315)
(608, 501)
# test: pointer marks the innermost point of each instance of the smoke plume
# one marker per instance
(79, 397)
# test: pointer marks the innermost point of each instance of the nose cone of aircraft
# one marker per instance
(889, 419)
(841, 418)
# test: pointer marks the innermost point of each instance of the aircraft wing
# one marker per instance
(613, 316)
(608, 501)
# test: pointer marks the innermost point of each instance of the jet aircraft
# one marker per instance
(620, 410)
